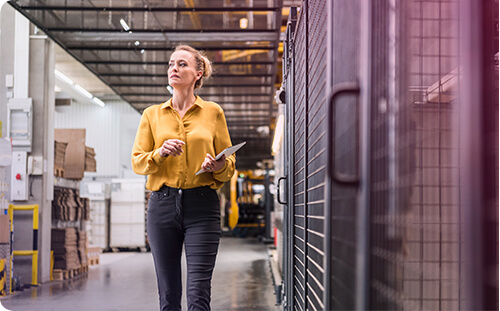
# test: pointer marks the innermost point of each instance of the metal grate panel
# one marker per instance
(299, 231)
(416, 173)
(316, 153)
(415, 253)
(343, 223)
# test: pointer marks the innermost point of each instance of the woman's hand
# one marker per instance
(171, 147)
(210, 165)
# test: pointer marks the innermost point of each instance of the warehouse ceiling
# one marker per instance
(127, 44)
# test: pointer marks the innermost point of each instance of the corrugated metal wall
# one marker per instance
(110, 131)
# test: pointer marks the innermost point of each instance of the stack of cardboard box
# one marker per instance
(68, 205)
(78, 158)
(82, 247)
(65, 247)
(59, 154)
(90, 163)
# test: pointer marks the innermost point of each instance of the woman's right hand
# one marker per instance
(171, 147)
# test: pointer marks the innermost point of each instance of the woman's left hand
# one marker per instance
(210, 165)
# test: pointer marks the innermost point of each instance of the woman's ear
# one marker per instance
(199, 74)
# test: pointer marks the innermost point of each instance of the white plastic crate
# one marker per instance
(124, 213)
(127, 235)
(97, 207)
(127, 190)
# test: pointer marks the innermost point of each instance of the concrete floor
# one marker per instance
(127, 281)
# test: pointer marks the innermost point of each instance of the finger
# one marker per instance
(177, 149)
(177, 141)
(174, 144)
(174, 151)
(210, 157)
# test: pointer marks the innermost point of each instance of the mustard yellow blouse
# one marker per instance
(204, 130)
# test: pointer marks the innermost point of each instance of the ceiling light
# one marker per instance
(243, 23)
(83, 91)
(137, 43)
(142, 51)
(98, 101)
(124, 24)
(63, 77)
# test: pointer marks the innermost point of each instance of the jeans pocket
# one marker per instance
(158, 196)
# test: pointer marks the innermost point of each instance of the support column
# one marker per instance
(41, 90)
(29, 59)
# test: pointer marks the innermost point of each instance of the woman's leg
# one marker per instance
(166, 238)
(202, 235)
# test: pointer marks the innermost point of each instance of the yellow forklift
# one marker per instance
(249, 209)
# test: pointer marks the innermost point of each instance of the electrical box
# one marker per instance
(35, 165)
(20, 123)
(19, 177)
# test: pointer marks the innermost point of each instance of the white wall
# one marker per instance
(109, 130)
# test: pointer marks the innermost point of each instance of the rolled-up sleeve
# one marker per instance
(221, 142)
(145, 159)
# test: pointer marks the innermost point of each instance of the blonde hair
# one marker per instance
(202, 63)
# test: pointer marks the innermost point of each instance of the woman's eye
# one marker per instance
(183, 65)
(170, 65)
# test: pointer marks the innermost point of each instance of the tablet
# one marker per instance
(228, 151)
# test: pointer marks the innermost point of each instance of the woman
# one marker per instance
(174, 140)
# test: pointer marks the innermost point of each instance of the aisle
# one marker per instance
(126, 281)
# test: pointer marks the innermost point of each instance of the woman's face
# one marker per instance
(182, 70)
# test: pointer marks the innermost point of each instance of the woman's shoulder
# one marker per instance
(211, 105)
(153, 108)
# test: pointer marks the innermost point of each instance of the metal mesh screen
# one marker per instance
(415, 215)
(299, 197)
(344, 68)
(416, 235)
(316, 154)
(491, 138)
(432, 268)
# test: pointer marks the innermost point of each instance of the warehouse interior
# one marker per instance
(369, 178)
(87, 72)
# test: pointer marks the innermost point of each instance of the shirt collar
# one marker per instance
(199, 102)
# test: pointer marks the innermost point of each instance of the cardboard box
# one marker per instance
(74, 160)
(4, 229)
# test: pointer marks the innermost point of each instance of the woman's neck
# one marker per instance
(183, 99)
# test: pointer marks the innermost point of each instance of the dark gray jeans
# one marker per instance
(190, 217)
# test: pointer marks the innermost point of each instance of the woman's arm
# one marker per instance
(145, 159)
(221, 142)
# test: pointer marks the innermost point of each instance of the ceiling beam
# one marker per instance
(220, 102)
(144, 30)
(123, 62)
(170, 48)
(204, 95)
(204, 85)
(215, 75)
(146, 9)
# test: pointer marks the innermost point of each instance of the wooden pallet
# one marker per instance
(60, 274)
(93, 261)
(93, 254)
(58, 171)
